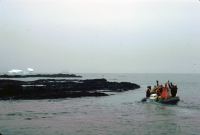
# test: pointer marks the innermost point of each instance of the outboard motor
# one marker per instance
(153, 96)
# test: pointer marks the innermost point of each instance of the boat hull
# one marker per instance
(173, 100)
(170, 101)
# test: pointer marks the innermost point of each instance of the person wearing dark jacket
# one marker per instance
(174, 90)
(148, 91)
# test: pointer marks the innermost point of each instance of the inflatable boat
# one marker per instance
(154, 98)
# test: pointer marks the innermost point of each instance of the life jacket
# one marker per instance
(164, 93)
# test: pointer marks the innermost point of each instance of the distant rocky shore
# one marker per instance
(39, 75)
(60, 88)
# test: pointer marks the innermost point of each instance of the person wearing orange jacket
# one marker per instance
(164, 94)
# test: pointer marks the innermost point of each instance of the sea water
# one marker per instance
(117, 114)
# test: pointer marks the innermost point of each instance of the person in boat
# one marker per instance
(153, 91)
(174, 90)
(159, 90)
(157, 83)
(169, 87)
(164, 94)
(148, 92)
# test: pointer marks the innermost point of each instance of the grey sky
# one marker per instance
(110, 36)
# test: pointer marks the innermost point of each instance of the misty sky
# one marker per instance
(100, 36)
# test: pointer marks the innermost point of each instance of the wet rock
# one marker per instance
(54, 88)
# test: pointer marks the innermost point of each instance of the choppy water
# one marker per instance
(119, 114)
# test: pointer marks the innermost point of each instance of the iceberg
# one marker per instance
(15, 71)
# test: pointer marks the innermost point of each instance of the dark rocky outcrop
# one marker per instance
(39, 75)
(62, 88)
